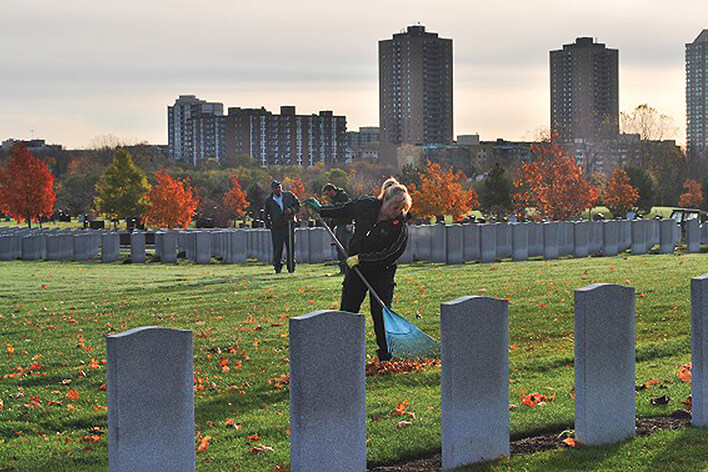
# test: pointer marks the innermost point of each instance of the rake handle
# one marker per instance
(355, 268)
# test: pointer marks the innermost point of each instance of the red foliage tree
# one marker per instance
(553, 184)
(693, 197)
(235, 199)
(441, 193)
(26, 186)
(170, 203)
(619, 195)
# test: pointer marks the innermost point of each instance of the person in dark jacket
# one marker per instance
(337, 196)
(379, 239)
(280, 210)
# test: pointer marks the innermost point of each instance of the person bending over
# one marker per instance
(379, 239)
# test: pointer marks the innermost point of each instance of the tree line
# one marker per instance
(551, 185)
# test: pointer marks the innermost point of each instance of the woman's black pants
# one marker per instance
(354, 291)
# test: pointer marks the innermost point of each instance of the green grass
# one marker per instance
(49, 310)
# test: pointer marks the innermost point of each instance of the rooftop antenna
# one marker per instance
(32, 130)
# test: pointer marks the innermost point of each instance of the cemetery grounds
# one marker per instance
(54, 316)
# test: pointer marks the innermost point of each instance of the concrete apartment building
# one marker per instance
(415, 91)
(199, 130)
(584, 92)
(195, 129)
(697, 95)
(288, 138)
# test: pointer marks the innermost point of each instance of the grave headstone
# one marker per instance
(317, 242)
(604, 364)
(150, 400)
(203, 247)
(474, 380)
(581, 230)
(327, 393)
(168, 247)
(470, 238)
(667, 236)
(454, 244)
(550, 240)
(487, 243)
(640, 238)
(520, 241)
(110, 246)
(610, 237)
(503, 244)
(425, 241)
(699, 350)
(137, 246)
(693, 236)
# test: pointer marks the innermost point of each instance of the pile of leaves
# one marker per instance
(375, 367)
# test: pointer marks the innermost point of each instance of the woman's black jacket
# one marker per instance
(378, 244)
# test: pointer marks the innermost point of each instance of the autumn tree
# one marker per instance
(442, 193)
(235, 199)
(121, 190)
(618, 194)
(170, 203)
(295, 185)
(553, 184)
(26, 186)
(693, 195)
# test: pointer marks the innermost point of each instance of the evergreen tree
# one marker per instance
(120, 192)
(495, 192)
(645, 185)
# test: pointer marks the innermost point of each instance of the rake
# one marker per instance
(403, 338)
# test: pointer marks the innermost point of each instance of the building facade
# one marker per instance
(199, 130)
(195, 130)
(584, 92)
(363, 144)
(415, 91)
(287, 138)
(697, 95)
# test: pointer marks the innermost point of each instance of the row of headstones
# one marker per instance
(455, 244)
(231, 246)
(150, 383)
(49, 244)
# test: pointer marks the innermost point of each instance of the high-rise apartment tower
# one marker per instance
(415, 91)
(697, 95)
(585, 92)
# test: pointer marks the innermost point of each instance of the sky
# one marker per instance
(76, 71)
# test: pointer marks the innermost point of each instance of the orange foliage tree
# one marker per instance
(693, 197)
(618, 194)
(170, 203)
(26, 186)
(441, 193)
(553, 184)
(295, 185)
(235, 199)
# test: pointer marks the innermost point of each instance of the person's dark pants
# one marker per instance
(354, 291)
(279, 237)
(344, 235)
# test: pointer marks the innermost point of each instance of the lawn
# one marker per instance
(53, 317)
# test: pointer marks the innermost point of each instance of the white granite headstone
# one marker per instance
(474, 380)
(604, 364)
(150, 400)
(327, 392)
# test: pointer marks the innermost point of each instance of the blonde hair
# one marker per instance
(392, 189)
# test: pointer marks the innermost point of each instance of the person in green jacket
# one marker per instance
(337, 196)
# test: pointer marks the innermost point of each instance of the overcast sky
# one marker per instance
(72, 70)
